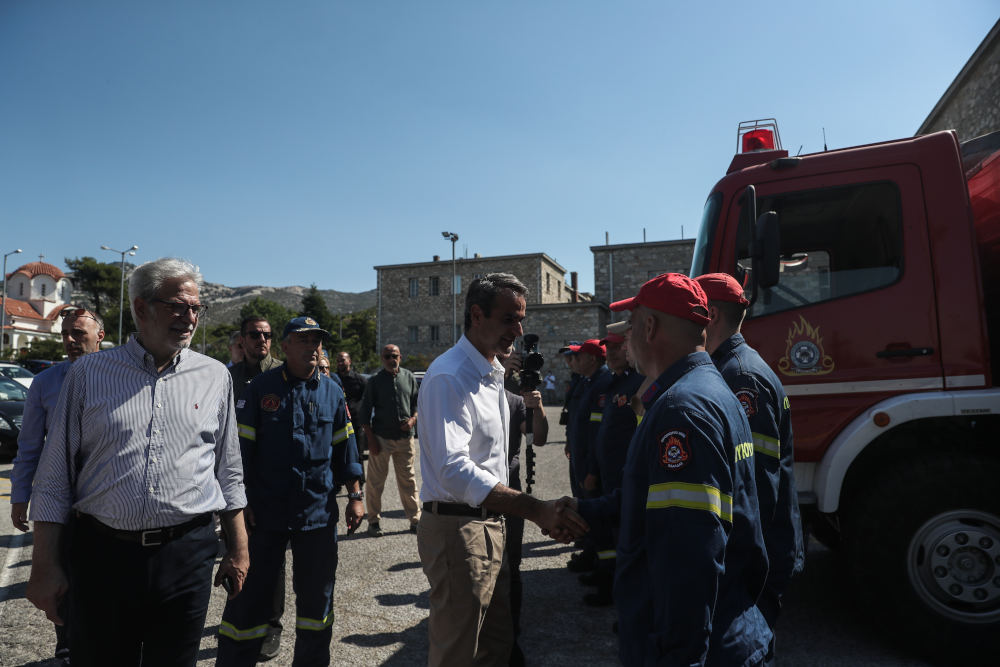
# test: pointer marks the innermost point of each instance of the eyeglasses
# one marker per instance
(74, 312)
(180, 308)
(266, 335)
(390, 356)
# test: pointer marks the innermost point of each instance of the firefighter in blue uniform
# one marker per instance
(616, 427)
(763, 399)
(298, 446)
(691, 558)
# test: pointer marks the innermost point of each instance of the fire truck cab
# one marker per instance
(874, 276)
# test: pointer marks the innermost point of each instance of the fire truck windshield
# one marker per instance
(706, 234)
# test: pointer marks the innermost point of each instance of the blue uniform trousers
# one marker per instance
(314, 567)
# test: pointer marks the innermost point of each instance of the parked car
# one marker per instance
(12, 397)
(17, 372)
(36, 366)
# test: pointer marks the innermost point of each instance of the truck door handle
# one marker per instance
(894, 353)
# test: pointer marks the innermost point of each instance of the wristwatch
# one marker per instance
(356, 495)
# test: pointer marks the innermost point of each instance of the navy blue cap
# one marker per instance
(304, 324)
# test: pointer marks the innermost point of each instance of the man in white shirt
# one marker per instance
(464, 422)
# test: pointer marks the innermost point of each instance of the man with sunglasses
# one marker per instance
(255, 337)
(143, 450)
(388, 415)
(82, 333)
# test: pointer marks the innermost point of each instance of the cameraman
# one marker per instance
(519, 404)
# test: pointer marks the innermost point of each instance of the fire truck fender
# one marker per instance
(849, 443)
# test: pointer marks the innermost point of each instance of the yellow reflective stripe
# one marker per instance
(227, 629)
(765, 444)
(595, 416)
(343, 433)
(607, 555)
(786, 402)
(690, 496)
(247, 432)
(303, 623)
(638, 419)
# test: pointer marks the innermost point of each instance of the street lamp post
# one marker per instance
(453, 237)
(3, 304)
(121, 294)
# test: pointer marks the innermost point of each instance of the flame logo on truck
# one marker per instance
(804, 353)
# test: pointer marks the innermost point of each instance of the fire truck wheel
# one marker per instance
(923, 546)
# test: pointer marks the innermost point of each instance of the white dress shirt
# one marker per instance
(464, 420)
(138, 448)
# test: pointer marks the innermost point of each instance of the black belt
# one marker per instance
(459, 509)
(148, 538)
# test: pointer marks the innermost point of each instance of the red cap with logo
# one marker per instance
(722, 287)
(592, 346)
(671, 293)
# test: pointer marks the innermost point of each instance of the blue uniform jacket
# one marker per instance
(298, 446)
(588, 419)
(691, 558)
(618, 424)
(763, 398)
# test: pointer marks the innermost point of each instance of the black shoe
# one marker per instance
(374, 530)
(590, 578)
(269, 649)
(586, 562)
(598, 599)
(413, 528)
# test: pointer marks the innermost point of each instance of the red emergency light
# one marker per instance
(758, 140)
(758, 135)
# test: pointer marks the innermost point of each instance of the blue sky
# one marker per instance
(289, 143)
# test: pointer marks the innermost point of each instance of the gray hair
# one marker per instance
(483, 292)
(147, 280)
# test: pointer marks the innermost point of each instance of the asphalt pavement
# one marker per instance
(381, 600)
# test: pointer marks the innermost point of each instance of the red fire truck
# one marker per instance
(874, 273)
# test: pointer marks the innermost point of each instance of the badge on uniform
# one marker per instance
(240, 403)
(748, 399)
(270, 403)
(675, 453)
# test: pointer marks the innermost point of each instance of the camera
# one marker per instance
(531, 363)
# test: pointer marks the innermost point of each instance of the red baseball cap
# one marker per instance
(613, 338)
(722, 287)
(592, 346)
(671, 293)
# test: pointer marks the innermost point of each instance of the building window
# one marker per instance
(548, 283)
(22, 290)
(412, 334)
(414, 288)
(435, 286)
(559, 289)
(435, 333)
(458, 284)
(45, 289)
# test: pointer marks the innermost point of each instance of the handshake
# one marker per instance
(560, 520)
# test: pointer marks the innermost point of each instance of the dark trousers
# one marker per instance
(314, 567)
(135, 605)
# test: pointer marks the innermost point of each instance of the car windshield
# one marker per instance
(16, 372)
(11, 391)
(700, 261)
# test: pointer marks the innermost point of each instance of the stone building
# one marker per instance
(619, 270)
(414, 308)
(971, 104)
(36, 293)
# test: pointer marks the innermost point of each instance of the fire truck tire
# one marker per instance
(923, 548)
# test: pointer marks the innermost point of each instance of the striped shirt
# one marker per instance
(141, 449)
(39, 408)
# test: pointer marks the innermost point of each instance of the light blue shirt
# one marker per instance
(38, 410)
(464, 424)
(141, 449)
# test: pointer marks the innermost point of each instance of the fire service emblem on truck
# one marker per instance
(804, 351)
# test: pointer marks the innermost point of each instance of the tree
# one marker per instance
(44, 348)
(315, 307)
(100, 281)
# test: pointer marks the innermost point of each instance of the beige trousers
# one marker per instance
(402, 453)
(470, 621)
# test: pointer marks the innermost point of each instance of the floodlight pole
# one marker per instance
(453, 237)
(3, 304)
(121, 293)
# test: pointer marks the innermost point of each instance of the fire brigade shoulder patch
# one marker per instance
(270, 403)
(748, 399)
(675, 452)
(619, 400)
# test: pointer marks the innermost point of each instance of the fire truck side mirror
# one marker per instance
(767, 258)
